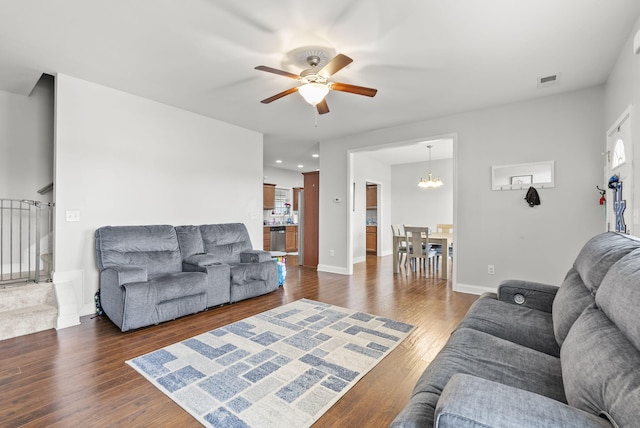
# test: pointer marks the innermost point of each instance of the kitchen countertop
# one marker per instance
(280, 224)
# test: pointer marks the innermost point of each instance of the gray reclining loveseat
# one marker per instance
(156, 273)
(536, 355)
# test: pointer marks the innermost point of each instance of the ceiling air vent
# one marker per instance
(546, 81)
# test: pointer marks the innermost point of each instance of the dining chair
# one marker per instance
(443, 228)
(402, 247)
(418, 248)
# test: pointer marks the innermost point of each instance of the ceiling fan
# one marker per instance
(315, 84)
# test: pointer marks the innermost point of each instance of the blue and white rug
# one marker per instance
(281, 368)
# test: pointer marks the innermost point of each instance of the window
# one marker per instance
(281, 199)
(618, 154)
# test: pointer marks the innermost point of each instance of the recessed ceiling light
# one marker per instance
(278, 161)
(315, 155)
(300, 166)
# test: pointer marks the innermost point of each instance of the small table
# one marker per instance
(443, 239)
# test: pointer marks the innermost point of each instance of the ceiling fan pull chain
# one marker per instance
(315, 115)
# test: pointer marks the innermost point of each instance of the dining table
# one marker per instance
(443, 239)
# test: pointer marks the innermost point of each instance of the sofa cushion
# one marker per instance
(600, 253)
(190, 240)
(480, 354)
(152, 247)
(528, 327)
(600, 369)
(225, 241)
(473, 402)
(572, 298)
(619, 296)
(163, 298)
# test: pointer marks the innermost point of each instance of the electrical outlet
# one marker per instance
(331, 253)
(72, 215)
(491, 269)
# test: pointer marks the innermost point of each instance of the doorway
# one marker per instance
(371, 209)
(619, 166)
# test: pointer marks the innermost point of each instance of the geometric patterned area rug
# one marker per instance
(281, 368)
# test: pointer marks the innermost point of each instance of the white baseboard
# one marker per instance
(67, 302)
(333, 269)
(472, 289)
(360, 259)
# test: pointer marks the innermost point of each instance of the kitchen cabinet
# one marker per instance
(268, 196)
(266, 240)
(372, 240)
(291, 239)
(311, 220)
(296, 195)
(372, 197)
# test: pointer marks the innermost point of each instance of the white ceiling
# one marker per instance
(411, 153)
(427, 58)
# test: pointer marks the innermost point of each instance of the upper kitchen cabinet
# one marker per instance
(372, 196)
(268, 196)
(296, 195)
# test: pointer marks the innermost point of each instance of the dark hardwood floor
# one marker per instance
(77, 376)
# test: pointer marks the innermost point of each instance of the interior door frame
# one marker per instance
(631, 219)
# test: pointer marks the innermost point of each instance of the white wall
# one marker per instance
(26, 142)
(126, 160)
(497, 227)
(283, 178)
(622, 91)
(367, 169)
(421, 207)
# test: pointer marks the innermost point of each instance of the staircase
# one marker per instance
(27, 308)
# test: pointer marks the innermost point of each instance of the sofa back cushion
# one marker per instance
(154, 248)
(225, 241)
(600, 369)
(190, 240)
(599, 254)
(619, 296)
(571, 299)
(601, 354)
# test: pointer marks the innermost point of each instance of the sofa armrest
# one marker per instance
(255, 256)
(200, 260)
(123, 275)
(469, 401)
(529, 294)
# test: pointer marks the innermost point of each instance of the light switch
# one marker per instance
(73, 215)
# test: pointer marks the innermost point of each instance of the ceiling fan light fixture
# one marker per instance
(313, 92)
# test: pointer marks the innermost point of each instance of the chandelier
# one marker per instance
(430, 182)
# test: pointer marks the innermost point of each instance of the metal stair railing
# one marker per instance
(26, 236)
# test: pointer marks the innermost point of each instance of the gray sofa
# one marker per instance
(151, 274)
(536, 355)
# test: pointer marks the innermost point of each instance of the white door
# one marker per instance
(619, 163)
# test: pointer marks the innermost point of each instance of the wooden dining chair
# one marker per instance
(402, 248)
(444, 228)
(418, 248)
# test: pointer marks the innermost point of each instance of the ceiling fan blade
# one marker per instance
(322, 107)
(339, 62)
(280, 95)
(359, 90)
(276, 71)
